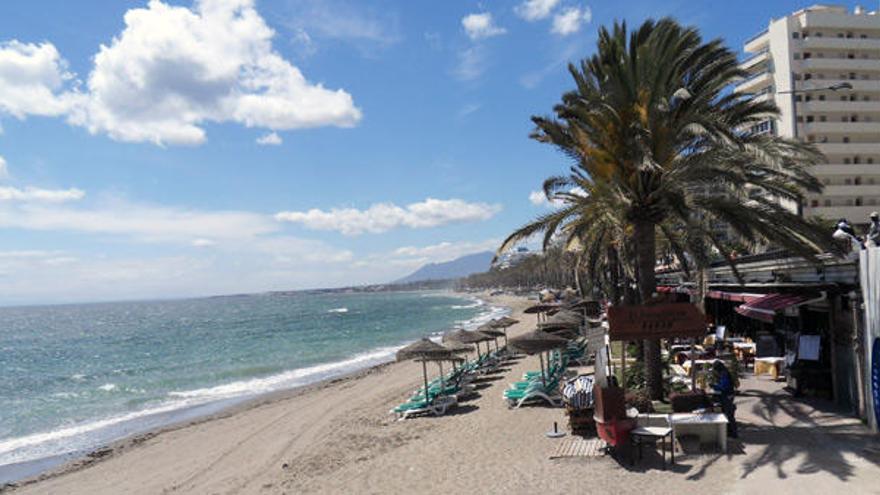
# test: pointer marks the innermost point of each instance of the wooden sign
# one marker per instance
(657, 321)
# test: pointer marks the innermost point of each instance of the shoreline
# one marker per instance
(30, 472)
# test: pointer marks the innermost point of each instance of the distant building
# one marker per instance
(821, 65)
(512, 257)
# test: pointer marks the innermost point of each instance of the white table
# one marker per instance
(715, 424)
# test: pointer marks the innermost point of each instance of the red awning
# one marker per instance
(665, 289)
(733, 296)
(766, 307)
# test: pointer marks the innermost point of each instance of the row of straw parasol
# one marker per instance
(455, 343)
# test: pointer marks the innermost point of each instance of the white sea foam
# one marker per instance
(338, 310)
(87, 435)
(292, 378)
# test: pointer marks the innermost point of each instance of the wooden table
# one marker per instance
(769, 366)
(642, 433)
(701, 424)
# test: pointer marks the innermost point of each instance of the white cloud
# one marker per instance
(4, 169)
(481, 26)
(270, 139)
(445, 251)
(171, 70)
(203, 243)
(569, 21)
(468, 109)
(348, 21)
(383, 217)
(538, 198)
(471, 63)
(32, 80)
(138, 221)
(35, 194)
(534, 10)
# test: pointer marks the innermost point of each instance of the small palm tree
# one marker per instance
(660, 145)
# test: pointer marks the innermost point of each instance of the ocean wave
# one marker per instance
(88, 435)
(292, 378)
(107, 387)
(476, 304)
(338, 310)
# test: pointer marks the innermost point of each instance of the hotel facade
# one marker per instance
(821, 65)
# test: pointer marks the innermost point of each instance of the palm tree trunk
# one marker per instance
(646, 259)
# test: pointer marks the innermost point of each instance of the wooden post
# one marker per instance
(693, 369)
(832, 345)
(623, 365)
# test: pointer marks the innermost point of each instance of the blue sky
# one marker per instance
(176, 148)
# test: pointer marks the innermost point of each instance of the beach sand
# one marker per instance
(339, 437)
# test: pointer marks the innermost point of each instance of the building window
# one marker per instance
(821, 97)
(852, 75)
(853, 118)
(827, 202)
(845, 139)
(795, 35)
(809, 76)
(858, 201)
(810, 118)
(807, 55)
(850, 56)
(857, 181)
(856, 160)
(823, 118)
(814, 203)
(870, 161)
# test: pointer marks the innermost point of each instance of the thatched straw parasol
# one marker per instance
(488, 329)
(425, 350)
(468, 337)
(538, 342)
(540, 309)
(503, 323)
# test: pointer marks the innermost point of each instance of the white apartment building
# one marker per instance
(822, 66)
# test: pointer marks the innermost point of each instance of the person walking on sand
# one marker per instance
(724, 388)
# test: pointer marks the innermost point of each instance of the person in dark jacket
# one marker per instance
(724, 388)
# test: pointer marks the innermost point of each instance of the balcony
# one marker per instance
(848, 170)
(859, 85)
(844, 128)
(852, 191)
(755, 60)
(841, 43)
(856, 214)
(844, 22)
(755, 83)
(849, 107)
(845, 64)
(757, 42)
(848, 148)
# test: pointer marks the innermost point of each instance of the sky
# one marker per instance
(159, 148)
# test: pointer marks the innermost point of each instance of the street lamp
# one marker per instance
(794, 122)
(793, 92)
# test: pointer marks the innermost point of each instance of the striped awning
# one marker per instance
(742, 297)
(766, 307)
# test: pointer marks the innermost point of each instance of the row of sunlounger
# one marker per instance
(535, 387)
(445, 393)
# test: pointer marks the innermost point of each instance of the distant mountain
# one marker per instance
(459, 267)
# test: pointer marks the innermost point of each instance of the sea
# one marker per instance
(76, 377)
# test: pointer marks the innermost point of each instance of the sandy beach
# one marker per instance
(338, 437)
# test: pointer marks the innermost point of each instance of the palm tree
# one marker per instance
(661, 146)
